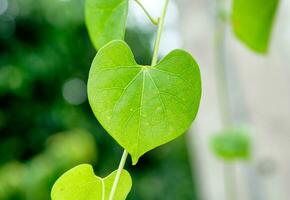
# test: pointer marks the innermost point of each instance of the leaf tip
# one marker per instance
(135, 159)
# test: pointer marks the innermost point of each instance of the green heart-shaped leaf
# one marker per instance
(143, 107)
(80, 183)
(106, 20)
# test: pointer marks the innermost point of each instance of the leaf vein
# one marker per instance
(140, 113)
(174, 75)
(124, 91)
(176, 98)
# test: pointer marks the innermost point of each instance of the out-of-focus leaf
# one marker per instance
(106, 20)
(143, 107)
(11, 176)
(231, 145)
(63, 151)
(80, 183)
(252, 22)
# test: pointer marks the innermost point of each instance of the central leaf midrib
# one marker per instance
(160, 98)
(142, 72)
(140, 110)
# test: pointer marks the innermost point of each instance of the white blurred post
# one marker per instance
(259, 95)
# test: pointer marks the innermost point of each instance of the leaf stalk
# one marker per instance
(159, 32)
(154, 21)
(117, 178)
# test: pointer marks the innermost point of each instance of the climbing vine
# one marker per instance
(141, 107)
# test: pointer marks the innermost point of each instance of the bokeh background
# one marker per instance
(47, 127)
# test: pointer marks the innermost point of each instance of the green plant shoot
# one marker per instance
(141, 107)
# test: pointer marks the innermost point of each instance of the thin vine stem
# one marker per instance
(154, 21)
(119, 171)
(159, 32)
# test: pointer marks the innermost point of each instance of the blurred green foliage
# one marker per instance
(33, 178)
(232, 144)
(45, 51)
(252, 22)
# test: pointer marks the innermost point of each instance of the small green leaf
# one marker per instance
(143, 107)
(252, 22)
(80, 183)
(231, 145)
(106, 20)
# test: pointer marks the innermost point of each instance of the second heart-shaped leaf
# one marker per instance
(106, 20)
(143, 107)
(80, 183)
